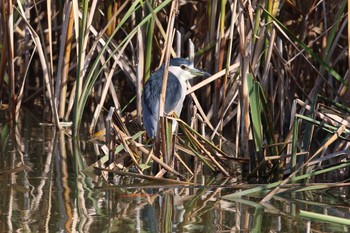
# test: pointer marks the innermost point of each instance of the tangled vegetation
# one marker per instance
(277, 100)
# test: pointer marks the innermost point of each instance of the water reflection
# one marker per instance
(43, 189)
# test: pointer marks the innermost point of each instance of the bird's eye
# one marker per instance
(183, 67)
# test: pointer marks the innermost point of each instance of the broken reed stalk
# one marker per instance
(109, 136)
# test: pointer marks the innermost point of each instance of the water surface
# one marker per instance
(44, 189)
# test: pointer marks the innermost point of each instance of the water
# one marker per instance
(44, 189)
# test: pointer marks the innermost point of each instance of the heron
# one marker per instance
(180, 71)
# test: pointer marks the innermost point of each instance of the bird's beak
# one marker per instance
(197, 72)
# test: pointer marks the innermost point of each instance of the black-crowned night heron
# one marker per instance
(180, 70)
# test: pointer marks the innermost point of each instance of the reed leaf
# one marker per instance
(323, 217)
(255, 112)
(149, 42)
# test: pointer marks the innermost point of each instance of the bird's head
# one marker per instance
(184, 69)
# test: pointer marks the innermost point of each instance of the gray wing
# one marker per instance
(173, 94)
(152, 89)
(150, 99)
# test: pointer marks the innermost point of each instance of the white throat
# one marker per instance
(178, 72)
